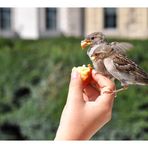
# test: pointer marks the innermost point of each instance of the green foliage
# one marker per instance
(34, 77)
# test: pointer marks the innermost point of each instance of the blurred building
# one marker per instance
(121, 22)
(43, 22)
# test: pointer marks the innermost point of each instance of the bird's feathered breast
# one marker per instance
(99, 48)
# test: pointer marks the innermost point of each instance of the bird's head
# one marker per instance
(92, 39)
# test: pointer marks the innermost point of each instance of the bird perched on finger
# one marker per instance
(110, 60)
(98, 42)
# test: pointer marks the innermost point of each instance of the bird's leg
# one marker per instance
(121, 89)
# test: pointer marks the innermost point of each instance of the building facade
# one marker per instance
(34, 23)
(120, 22)
(40, 22)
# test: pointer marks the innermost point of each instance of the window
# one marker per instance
(110, 18)
(51, 18)
(5, 19)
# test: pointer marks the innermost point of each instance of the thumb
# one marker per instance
(75, 92)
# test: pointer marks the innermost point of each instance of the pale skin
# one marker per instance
(87, 110)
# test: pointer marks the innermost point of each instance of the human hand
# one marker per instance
(87, 109)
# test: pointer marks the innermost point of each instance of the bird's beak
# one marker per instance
(85, 43)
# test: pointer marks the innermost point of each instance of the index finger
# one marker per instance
(107, 88)
(103, 81)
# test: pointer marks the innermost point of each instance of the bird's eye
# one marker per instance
(92, 38)
(96, 54)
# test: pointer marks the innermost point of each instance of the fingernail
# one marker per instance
(74, 74)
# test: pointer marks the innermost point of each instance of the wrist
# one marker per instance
(71, 135)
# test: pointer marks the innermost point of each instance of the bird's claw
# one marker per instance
(106, 90)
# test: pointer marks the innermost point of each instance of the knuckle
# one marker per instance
(112, 86)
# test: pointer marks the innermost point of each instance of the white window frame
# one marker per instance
(111, 31)
(10, 32)
(42, 24)
(107, 20)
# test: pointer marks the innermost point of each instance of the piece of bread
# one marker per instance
(85, 73)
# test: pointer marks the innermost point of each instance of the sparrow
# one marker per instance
(110, 60)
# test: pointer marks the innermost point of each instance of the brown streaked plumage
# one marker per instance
(110, 59)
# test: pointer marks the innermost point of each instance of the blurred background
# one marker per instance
(39, 47)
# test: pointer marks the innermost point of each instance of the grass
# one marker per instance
(34, 77)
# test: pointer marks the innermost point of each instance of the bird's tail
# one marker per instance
(143, 81)
(146, 81)
(142, 76)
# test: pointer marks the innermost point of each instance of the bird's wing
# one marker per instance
(121, 47)
(125, 70)
(122, 63)
(125, 65)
